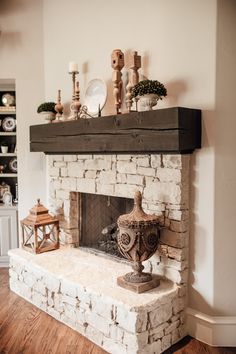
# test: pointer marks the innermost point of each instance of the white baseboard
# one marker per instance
(213, 330)
(4, 261)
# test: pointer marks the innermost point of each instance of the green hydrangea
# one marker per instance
(47, 107)
(149, 86)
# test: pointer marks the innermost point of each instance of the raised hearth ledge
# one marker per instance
(79, 289)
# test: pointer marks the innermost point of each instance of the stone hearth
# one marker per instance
(118, 320)
(79, 289)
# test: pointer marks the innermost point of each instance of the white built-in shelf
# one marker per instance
(7, 154)
(9, 207)
(2, 175)
(7, 112)
(8, 133)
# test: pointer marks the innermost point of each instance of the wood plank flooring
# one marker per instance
(24, 329)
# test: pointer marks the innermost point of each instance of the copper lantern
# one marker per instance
(40, 230)
(138, 239)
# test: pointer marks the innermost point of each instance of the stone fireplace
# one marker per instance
(78, 283)
(79, 287)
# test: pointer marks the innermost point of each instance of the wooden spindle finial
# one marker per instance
(117, 63)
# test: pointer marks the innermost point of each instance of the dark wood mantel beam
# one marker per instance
(169, 130)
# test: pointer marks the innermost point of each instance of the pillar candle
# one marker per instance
(73, 67)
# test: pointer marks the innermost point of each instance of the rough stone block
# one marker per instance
(51, 283)
(174, 239)
(60, 164)
(153, 348)
(166, 342)
(68, 288)
(90, 174)
(126, 167)
(107, 177)
(135, 179)
(97, 164)
(157, 333)
(178, 254)
(70, 158)
(62, 194)
(160, 315)
(58, 157)
(163, 192)
(68, 183)
(146, 171)
(142, 161)
(86, 185)
(169, 175)
(156, 161)
(176, 161)
(124, 157)
(54, 172)
(178, 304)
(76, 169)
(64, 172)
(131, 321)
(121, 178)
(178, 226)
(172, 327)
(126, 190)
(135, 341)
(100, 322)
(106, 189)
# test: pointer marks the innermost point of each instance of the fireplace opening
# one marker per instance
(97, 221)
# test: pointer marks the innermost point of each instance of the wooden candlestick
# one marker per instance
(75, 105)
(59, 107)
(134, 66)
(117, 63)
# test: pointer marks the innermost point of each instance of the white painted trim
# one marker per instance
(4, 261)
(212, 330)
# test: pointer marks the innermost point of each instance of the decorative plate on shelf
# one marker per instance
(8, 124)
(13, 165)
(95, 96)
(8, 100)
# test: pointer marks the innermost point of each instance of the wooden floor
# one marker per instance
(24, 329)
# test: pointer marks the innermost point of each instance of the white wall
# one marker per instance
(21, 58)
(177, 41)
(225, 167)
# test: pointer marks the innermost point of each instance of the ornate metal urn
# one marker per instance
(138, 239)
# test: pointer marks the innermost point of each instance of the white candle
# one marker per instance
(73, 67)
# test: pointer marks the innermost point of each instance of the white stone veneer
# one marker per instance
(163, 180)
(79, 289)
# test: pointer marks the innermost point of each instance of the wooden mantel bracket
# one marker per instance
(169, 130)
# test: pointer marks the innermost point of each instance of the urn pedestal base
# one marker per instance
(139, 287)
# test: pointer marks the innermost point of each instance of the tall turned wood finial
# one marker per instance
(59, 107)
(134, 66)
(117, 63)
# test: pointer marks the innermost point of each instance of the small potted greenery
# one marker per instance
(4, 147)
(149, 92)
(47, 109)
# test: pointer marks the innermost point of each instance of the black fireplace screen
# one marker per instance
(98, 216)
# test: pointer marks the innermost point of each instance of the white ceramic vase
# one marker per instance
(4, 149)
(148, 101)
(48, 116)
